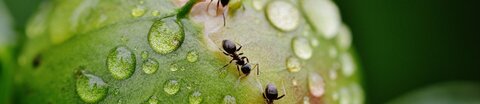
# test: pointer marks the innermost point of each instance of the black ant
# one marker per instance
(224, 4)
(271, 94)
(242, 62)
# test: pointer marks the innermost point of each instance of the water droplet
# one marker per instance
(229, 100)
(173, 67)
(294, 82)
(144, 55)
(306, 100)
(155, 13)
(344, 38)
(165, 36)
(293, 64)
(302, 48)
(195, 98)
(150, 66)
(121, 62)
(171, 86)
(91, 88)
(283, 15)
(348, 67)
(332, 52)
(323, 15)
(138, 11)
(316, 85)
(192, 56)
(153, 100)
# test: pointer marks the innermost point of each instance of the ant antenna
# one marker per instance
(223, 14)
(257, 66)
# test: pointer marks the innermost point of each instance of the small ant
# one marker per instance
(271, 94)
(224, 4)
(242, 62)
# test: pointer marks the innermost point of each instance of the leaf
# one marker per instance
(81, 34)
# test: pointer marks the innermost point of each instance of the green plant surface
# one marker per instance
(73, 41)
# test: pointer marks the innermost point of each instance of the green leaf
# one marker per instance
(81, 35)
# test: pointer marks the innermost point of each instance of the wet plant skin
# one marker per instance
(79, 35)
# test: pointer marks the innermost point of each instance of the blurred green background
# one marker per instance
(408, 44)
(403, 44)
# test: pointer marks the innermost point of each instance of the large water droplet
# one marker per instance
(283, 15)
(138, 11)
(153, 100)
(195, 98)
(229, 100)
(192, 56)
(121, 62)
(344, 38)
(293, 64)
(323, 15)
(165, 36)
(348, 67)
(302, 48)
(171, 86)
(316, 85)
(91, 88)
(150, 66)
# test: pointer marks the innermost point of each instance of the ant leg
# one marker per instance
(224, 52)
(239, 45)
(216, 12)
(284, 92)
(240, 54)
(281, 96)
(246, 59)
(257, 66)
(238, 69)
(227, 64)
(209, 4)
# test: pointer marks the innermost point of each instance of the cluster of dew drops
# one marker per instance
(166, 36)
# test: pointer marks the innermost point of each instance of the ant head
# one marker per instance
(271, 92)
(229, 46)
(246, 69)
